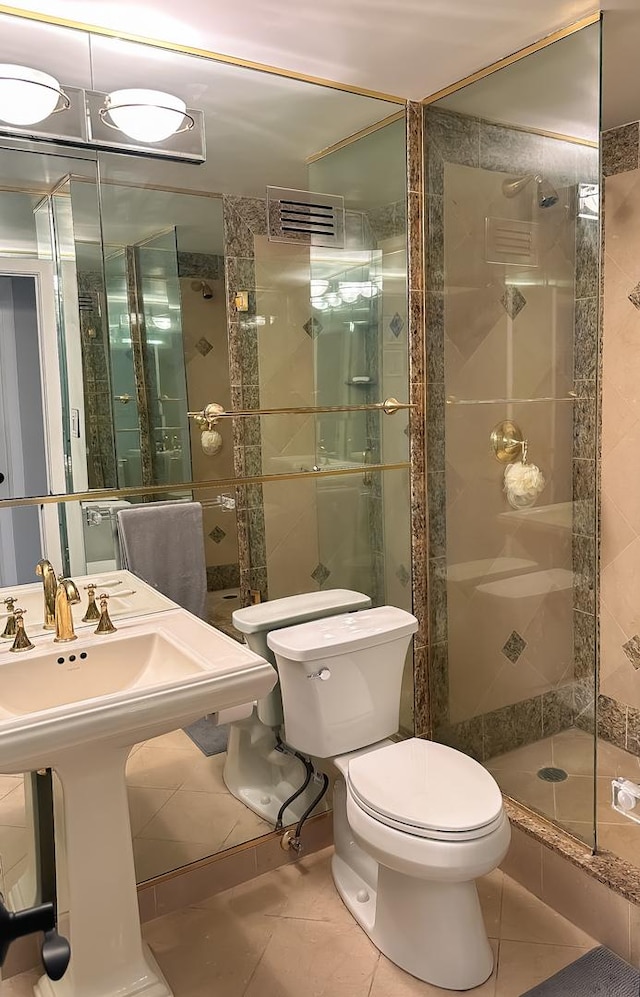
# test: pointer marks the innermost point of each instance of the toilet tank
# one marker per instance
(257, 622)
(341, 677)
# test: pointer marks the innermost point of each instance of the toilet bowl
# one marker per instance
(415, 822)
(260, 771)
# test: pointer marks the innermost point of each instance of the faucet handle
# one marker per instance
(105, 626)
(10, 626)
(21, 642)
(92, 613)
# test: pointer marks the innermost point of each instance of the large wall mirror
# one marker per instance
(134, 291)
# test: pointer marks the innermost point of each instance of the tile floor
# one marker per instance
(571, 802)
(287, 934)
(180, 810)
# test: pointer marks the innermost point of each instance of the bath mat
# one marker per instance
(209, 737)
(599, 973)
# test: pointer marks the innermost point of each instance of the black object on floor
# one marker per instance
(208, 736)
(599, 973)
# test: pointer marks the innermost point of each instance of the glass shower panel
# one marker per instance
(156, 264)
(512, 333)
(123, 379)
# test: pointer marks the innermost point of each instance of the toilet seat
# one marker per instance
(426, 790)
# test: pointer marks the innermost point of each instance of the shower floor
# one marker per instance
(570, 802)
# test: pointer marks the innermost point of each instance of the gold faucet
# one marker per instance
(44, 568)
(66, 595)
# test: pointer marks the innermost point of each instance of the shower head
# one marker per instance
(203, 287)
(547, 194)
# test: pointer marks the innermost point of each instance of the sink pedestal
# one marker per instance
(108, 956)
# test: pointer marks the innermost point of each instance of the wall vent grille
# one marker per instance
(511, 241)
(303, 217)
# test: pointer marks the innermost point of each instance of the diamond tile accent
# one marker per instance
(313, 327)
(320, 574)
(634, 297)
(513, 301)
(396, 324)
(403, 576)
(204, 346)
(217, 534)
(632, 650)
(406, 431)
(514, 647)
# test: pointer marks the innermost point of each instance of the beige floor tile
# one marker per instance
(202, 953)
(621, 839)
(20, 985)
(527, 919)
(8, 783)
(13, 846)
(390, 981)
(304, 890)
(529, 789)
(573, 751)
(248, 827)
(522, 965)
(314, 959)
(12, 810)
(583, 830)
(196, 817)
(144, 803)
(154, 858)
(204, 774)
(530, 758)
(158, 767)
(174, 739)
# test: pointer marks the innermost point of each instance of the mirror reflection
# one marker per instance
(134, 292)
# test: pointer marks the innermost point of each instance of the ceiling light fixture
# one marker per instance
(146, 115)
(28, 95)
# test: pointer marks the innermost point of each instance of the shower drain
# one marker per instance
(551, 774)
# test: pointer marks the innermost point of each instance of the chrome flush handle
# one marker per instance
(324, 674)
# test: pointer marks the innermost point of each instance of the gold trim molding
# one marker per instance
(509, 60)
(201, 53)
(102, 494)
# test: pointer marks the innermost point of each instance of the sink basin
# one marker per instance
(157, 673)
(55, 679)
(128, 596)
(78, 708)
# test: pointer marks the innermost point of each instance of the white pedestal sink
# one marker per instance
(78, 708)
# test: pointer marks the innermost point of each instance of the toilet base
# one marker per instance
(419, 925)
(263, 778)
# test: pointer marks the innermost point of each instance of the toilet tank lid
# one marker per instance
(294, 609)
(339, 634)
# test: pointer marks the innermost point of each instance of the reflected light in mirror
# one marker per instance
(26, 95)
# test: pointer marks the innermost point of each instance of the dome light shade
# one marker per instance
(146, 115)
(27, 95)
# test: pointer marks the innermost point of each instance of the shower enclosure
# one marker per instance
(512, 255)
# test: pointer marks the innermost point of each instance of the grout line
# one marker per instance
(374, 973)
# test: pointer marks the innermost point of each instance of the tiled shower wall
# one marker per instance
(204, 332)
(503, 665)
(619, 702)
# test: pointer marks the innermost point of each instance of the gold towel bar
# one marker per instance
(212, 412)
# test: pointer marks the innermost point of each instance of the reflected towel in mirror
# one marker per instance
(163, 543)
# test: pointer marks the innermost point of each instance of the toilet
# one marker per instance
(256, 771)
(415, 822)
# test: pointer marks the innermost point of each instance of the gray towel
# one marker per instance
(163, 543)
